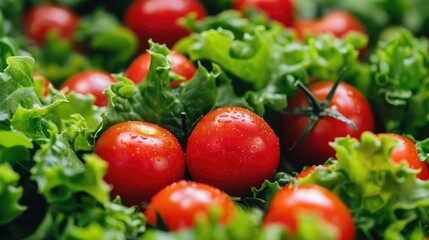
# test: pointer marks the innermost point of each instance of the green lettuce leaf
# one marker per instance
(175, 109)
(10, 194)
(60, 174)
(385, 199)
(264, 59)
(16, 86)
(399, 69)
(88, 219)
(14, 147)
(263, 195)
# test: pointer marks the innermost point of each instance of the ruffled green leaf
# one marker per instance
(10, 194)
(60, 174)
(384, 198)
(399, 92)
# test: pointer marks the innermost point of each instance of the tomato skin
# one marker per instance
(143, 158)
(314, 149)
(157, 20)
(339, 23)
(179, 65)
(180, 203)
(233, 149)
(289, 203)
(43, 18)
(407, 151)
(308, 171)
(90, 82)
(279, 10)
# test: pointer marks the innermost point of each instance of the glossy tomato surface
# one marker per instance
(407, 151)
(233, 149)
(279, 10)
(339, 23)
(157, 19)
(92, 82)
(143, 158)
(43, 18)
(290, 204)
(315, 149)
(181, 203)
(179, 65)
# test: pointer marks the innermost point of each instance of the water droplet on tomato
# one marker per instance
(133, 135)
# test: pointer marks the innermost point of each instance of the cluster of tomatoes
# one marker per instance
(231, 149)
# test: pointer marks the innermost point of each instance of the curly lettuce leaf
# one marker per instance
(10, 194)
(77, 104)
(264, 56)
(61, 175)
(400, 70)
(153, 100)
(16, 86)
(91, 220)
(263, 195)
(385, 199)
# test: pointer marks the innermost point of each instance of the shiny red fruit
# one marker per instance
(158, 20)
(142, 159)
(182, 203)
(44, 18)
(92, 82)
(179, 65)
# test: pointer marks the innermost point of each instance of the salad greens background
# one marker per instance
(51, 185)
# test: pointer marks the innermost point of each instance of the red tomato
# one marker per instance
(46, 83)
(337, 22)
(233, 149)
(181, 203)
(308, 171)
(279, 10)
(290, 203)
(407, 151)
(157, 19)
(314, 149)
(43, 18)
(143, 158)
(90, 82)
(179, 64)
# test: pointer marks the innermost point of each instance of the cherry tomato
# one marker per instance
(143, 158)
(407, 151)
(279, 10)
(179, 64)
(90, 82)
(157, 19)
(337, 22)
(290, 203)
(233, 149)
(44, 18)
(314, 149)
(181, 203)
